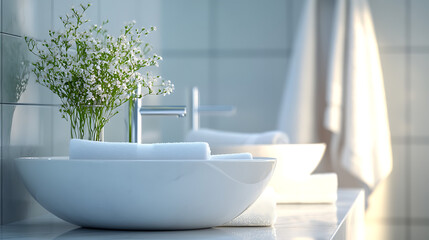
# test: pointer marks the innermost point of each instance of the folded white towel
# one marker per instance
(84, 149)
(316, 188)
(261, 213)
(232, 156)
(214, 137)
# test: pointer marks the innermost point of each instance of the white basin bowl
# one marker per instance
(145, 194)
(292, 159)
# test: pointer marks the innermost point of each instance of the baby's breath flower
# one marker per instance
(92, 72)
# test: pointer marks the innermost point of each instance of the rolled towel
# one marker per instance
(84, 149)
(232, 156)
(214, 137)
(261, 213)
(316, 188)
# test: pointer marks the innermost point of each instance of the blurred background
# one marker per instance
(237, 53)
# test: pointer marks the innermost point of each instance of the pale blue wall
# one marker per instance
(30, 124)
(236, 52)
(399, 208)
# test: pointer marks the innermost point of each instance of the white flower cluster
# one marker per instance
(88, 67)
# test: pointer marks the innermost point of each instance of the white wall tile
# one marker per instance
(385, 231)
(61, 134)
(251, 24)
(26, 132)
(27, 126)
(419, 179)
(389, 22)
(27, 17)
(393, 65)
(419, 94)
(390, 197)
(185, 24)
(185, 73)
(295, 12)
(18, 82)
(146, 13)
(116, 130)
(62, 7)
(1, 157)
(254, 86)
(1, 26)
(1, 56)
(419, 19)
(419, 232)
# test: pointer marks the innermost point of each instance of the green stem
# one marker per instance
(130, 120)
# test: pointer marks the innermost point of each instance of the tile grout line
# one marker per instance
(1, 118)
(290, 25)
(99, 12)
(11, 34)
(411, 140)
(226, 53)
(400, 221)
(408, 118)
(404, 49)
(52, 14)
(31, 104)
(212, 68)
(51, 150)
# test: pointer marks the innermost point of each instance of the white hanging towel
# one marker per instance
(355, 111)
(366, 152)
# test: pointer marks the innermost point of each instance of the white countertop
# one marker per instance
(342, 220)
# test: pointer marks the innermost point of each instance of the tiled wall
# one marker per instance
(240, 53)
(25, 124)
(399, 208)
(236, 52)
(30, 122)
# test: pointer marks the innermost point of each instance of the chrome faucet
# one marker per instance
(179, 111)
(139, 110)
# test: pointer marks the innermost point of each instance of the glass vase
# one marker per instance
(87, 122)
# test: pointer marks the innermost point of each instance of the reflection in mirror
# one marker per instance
(16, 70)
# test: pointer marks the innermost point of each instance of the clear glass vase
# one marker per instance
(87, 122)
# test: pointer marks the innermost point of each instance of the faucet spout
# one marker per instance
(179, 111)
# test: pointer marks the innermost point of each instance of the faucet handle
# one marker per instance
(197, 109)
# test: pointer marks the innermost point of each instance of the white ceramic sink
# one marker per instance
(145, 194)
(292, 159)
